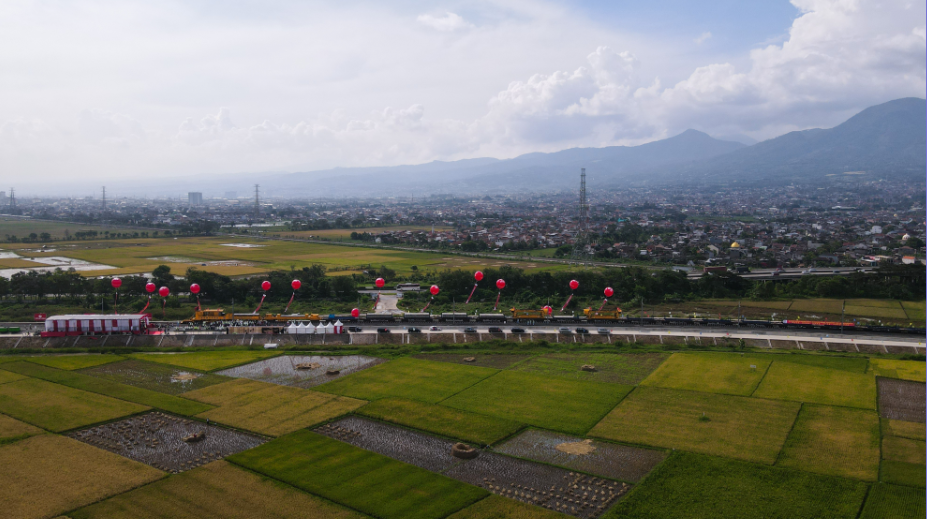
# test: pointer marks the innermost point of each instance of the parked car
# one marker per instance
(413, 329)
(495, 329)
(565, 331)
(382, 330)
(355, 329)
(604, 331)
(518, 330)
(582, 330)
(470, 329)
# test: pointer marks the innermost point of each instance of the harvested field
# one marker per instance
(571, 406)
(268, 408)
(218, 490)
(495, 507)
(438, 419)
(12, 430)
(205, 360)
(628, 369)
(836, 441)
(413, 379)
(360, 479)
(157, 439)
(554, 488)
(903, 429)
(896, 448)
(722, 425)
(48, 475)
(109, 388)
(600, 458)
(898, 400)
(811, 384)
(901, 473)
(501, 361)
(894, 502)
(422, 450)
(695, 486)
(727, 373)
(58, 408)
(72, 362)
(901, 369)
(153, 376)
(302, 370)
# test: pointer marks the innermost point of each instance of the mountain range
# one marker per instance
(886, 140)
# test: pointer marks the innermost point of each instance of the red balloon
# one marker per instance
(355, 313)
(435, 290)
(574, 284)
(547, 309)
(151, 287)
(265, 285)
(296, 284)
(116, 282)
(500, 284)
(164, 291)
(195, 288)
(380, 282)
(478, 275)
(609, 292)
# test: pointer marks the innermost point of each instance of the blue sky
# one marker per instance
(106, 88)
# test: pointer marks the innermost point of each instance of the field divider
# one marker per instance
(792, 428)
(762, 378)
(471, 385)
(602, 417)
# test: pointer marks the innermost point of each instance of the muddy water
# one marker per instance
(902, 400)
(157, 377)
(605, 459)
(157, 440)
(542, 485)
(283, 371)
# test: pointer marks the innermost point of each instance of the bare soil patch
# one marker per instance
(302, 370)
(158, 439)
(601, 458)
(902, 400)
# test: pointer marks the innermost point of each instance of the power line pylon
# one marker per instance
(257, 201)
(582, 234)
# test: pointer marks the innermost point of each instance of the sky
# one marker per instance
(104, 90)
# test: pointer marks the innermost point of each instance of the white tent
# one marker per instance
(321, 328)
(310, 328)
(330, 328)
(301, 328)
(292, 329)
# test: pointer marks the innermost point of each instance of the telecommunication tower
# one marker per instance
(582, 233)
(12, 200)
(104, 200)
(257, 201)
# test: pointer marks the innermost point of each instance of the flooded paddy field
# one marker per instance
(157, 439)
(902, 400)
(302, 371)
(157, 377)
(501, 361)
(551, 487)
(604, 459)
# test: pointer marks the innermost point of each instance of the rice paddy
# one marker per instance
(627, 369)
(811, 384)
(730, 374)
(205, 360)
(836, 441)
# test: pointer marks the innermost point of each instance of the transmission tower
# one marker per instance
(582, 234)
(104, 201)
(257, 201)
(12, 200)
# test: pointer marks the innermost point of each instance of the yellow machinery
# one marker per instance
(602, 315)
(218, 314)
(537, 315)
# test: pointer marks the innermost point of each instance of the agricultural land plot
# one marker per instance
(901, 400)
(438, 419)
(48, 475)
(218, 490)
(158, 439)
(302, 370)
(17, 263)
(500, 361)
(851, 364)
(725, 373)
(108, 388)
(594, 457)
(205, 360)
(628, 369)
(827, 306)
(9, 376)
(906, 450)
(914, 310)
(903, 429)
(836, 441)
(496, 507)
(750, 429)
(893, 502)
(811, 384)
(20, 227)
(362, 480)
(571, 406)
(694, 486)
(268, 408)
(900, 369)
(73, 362)
(901, 473)
(408, 378)
(54, 407)
(155, 377)
(12, 430)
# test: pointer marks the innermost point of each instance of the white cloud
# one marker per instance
(705, 36)
(447, 23)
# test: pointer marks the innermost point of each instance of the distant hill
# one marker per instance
(884, 140)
